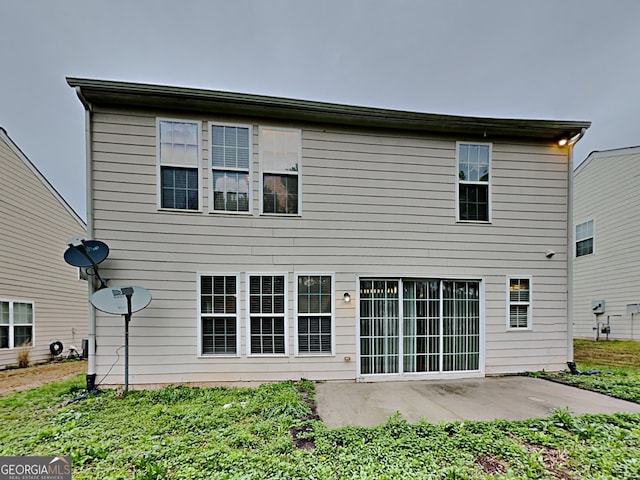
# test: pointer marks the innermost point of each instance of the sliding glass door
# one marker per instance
(419, 326)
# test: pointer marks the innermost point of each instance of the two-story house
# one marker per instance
(606, 301)
(42, 300)
(286, 239)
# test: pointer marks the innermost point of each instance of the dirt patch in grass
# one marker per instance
(555, 461)
(302, 436)
(17, 379)
(491, 465)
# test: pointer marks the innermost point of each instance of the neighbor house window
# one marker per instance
(280, 165)
(16, 324)
(219, 310)
(179, 164)
(267, 314)
(230, 165)
(474, 192)
(519, 302)
(314, 314)
(584, 238)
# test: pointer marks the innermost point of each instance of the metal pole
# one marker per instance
(128, 292)
(127, 317)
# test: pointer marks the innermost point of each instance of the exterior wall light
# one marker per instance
(566, 140)
(347, 297)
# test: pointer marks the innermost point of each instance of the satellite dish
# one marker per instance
(113, 300)
(94, 253)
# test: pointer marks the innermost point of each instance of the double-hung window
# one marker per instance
(519, 302)
(267, 314)
(584, 238)
(280, 170)
(315, 302)
(178, 147)
(473, 182)
(16, 324)
(219, 309)
(230, 165)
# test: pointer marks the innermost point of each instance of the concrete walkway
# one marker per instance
(510, 398)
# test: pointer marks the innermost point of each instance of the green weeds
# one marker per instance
(271, 432)
(616, 362)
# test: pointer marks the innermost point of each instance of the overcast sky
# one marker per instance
(548, 59)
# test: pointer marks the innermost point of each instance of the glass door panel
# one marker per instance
(421, 326)
(460, 325)
(379, 326)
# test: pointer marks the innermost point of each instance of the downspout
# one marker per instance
(91, 329)
(570, 243)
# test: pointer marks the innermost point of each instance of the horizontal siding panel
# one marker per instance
(35, 227)
(373, 203)
(602, 185)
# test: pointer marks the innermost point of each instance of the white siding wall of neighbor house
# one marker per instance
(34, 226)
(606, 191)
(375, 203)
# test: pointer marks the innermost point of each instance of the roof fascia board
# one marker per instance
(126, 94)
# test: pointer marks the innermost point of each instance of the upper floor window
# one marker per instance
(473, 181)
(280, 170)
(584, 238)
(314, 314)
(519, 302)
(179, 149)
(16, 324)
(231, 168)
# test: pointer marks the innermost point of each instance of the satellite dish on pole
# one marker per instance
(113, 300)
(122, 301)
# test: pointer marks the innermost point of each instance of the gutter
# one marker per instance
(91, 328)
(179, 99)
(570, 243)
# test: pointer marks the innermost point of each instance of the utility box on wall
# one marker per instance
(633, 308)
(597, 306)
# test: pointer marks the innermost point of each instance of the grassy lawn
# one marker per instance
(618, 364)
(270, 432)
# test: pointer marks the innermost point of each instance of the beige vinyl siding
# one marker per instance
(35, 227)
(374, 203)
(606, 191)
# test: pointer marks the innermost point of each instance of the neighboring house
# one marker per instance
(286, 239)
(41, 298)
(607, 252)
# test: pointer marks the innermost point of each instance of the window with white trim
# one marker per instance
(179, 164)
(281, 173)
(219, 326)
(267, 314)
(315, 301)
(16, 324)
(584, 238)
(230, 165)
(519, 302)
(473, 182)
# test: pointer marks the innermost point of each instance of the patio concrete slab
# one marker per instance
(490, 398)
